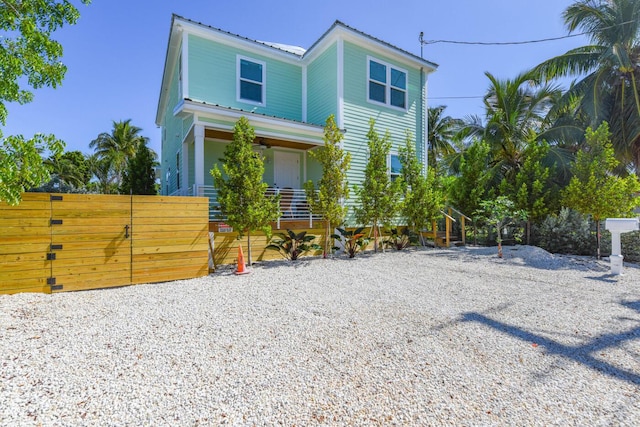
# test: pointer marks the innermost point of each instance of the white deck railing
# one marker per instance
(293, 204)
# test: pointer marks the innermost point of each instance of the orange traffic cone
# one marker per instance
(242, 269)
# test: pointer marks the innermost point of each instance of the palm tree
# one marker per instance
(117, 147)
(516, 112)
(70, 168)
(442, 135)
(101, 169)
(609, 70)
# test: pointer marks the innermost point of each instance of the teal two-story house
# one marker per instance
(212, 78)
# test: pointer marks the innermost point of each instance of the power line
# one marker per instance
(548, 39)
(456, 97)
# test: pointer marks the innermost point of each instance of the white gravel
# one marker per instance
(425, 337)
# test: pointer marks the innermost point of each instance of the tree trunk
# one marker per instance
(249, 247)
(598, 238)
(375, 237)
(327, 235)
(475, 234)
(499, 239)
(528, 232)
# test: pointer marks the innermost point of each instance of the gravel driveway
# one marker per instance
(425, 337)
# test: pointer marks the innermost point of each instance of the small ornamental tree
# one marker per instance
(140, 175)
(500, 213)
(333, 187)
(469, 189)
(241, 191)
(378, 195)
(594, 189)
(423, 197)
(533, 189)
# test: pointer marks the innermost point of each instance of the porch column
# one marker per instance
(184, 169)
(198, 155)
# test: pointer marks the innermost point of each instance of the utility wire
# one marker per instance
(549, 39)
(456, 97)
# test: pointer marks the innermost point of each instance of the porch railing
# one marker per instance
(293, 204)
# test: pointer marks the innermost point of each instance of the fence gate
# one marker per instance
(67, 242)
(89, 248)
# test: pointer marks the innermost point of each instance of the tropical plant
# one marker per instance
(28, 55)
(594, 190)
(241, 191)
(378, 196)
(515, 116)
(70, 168)
(352, 241)
(442, 134)
(291, 245)
(118, 147)
(140, 175)
(608, 70)
(401, 238)
(500, 213)
(103, 173)
(333, 187)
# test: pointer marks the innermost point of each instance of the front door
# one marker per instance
(286, 167)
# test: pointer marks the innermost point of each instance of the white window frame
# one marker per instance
(387, 84)
(239, 58)
(391, 175)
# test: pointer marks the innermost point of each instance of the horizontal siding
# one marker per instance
(358, 112)
(322, 87)
(172, 136)
(212, 79)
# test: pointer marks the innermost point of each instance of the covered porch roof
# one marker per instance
(218, 123)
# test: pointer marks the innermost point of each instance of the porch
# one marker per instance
(294, 209)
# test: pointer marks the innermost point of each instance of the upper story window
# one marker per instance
(251, 81)
(387, 84)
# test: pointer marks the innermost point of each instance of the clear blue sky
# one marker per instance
(115, 53)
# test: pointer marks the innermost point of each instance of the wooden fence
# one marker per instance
(226, 244)
(66, 242)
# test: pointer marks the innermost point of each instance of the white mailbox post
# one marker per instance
(618, 226)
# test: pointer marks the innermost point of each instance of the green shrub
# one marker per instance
(630, 245)
(568, 232)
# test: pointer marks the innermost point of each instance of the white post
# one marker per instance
(617, 226)
(198, 155)
(616, 257)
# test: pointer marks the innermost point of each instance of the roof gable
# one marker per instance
(287, 53)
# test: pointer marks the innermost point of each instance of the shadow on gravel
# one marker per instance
(607, 278)
(583, 354)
